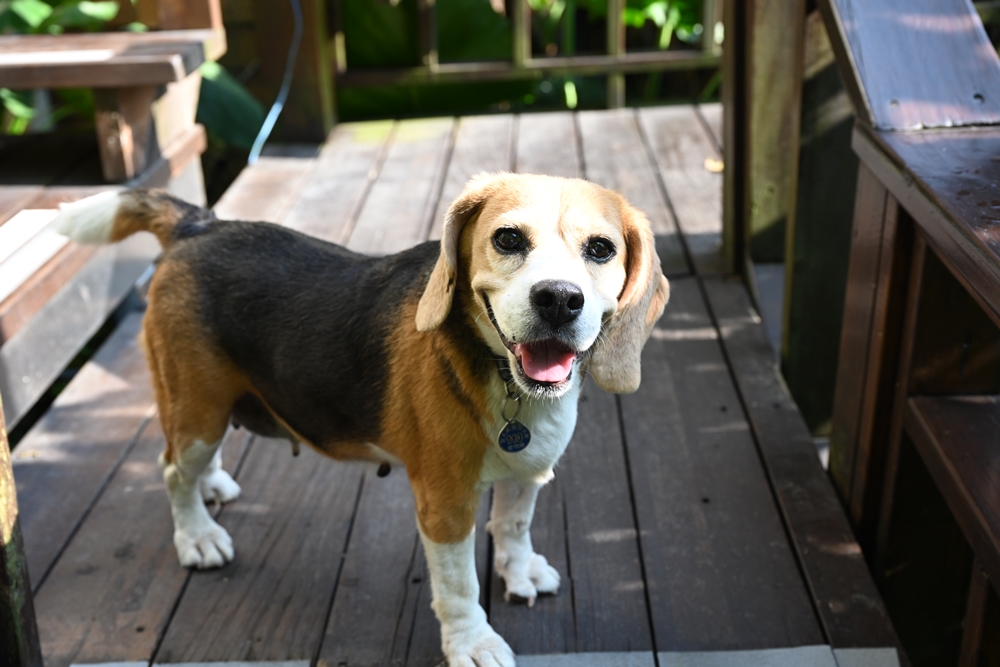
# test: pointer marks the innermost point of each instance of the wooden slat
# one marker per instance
(482, 143)
(31, 295)
(13, 198)
(397, 212)
(682, 148)
(720, 571)
(614, 156)
(266, 191)
(366, 627)
(882, 48)
(111, 594)
(544, 142)
(289, 527)
(975, 617)
(609, 590)
(19, 643)
(713, 116)
(62, 463)
(109, 60)
(845, 597)
(549, 627)
(956, 439)
(874, 218)
(32, 359)
(329, 201)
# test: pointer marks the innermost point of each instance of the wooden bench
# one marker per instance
(914, 451)
(54, 295)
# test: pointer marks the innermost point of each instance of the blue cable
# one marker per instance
(286, 84)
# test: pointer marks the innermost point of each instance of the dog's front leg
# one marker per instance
(466, 637)
(525, 573)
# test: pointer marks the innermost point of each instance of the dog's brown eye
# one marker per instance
(599, 249)
(509, 240)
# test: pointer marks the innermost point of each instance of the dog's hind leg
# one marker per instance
(196, 388)
(525, 573)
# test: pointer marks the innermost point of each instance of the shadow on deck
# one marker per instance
(690, 516)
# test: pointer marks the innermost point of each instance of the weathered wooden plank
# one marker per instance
(329, 202)
(267, 190)
(549, 626)
(13, 198)
(482, 143)
(375, 580)
(397, 211)
(31, 295)
(62, 463)
(546, 143)
(713, 117)
(32, 359)
(845, 597)
(720, 572)
(609, 585)
(112, 592)
(879, 46)
(289, 528)
(614, 156)
(19, 643)
(683, 152)
(875, 214)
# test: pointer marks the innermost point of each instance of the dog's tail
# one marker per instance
(115, 215)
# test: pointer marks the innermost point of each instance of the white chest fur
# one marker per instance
(551, 422)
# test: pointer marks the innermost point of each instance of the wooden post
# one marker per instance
(616, 47)
(125, 137)
(19, 645)
(310, 111)
(764, 76)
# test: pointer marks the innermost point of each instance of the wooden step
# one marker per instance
(957, 438)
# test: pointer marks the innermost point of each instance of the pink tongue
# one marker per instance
(546, 361)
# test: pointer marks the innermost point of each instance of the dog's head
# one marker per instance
(558, 270)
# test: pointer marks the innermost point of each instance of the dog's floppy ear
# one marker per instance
(615, 362)
(436, 300)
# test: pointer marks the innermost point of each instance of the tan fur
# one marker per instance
(148, 211)
(195, 384)
(615, 362)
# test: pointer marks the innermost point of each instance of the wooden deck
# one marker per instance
(690, 516)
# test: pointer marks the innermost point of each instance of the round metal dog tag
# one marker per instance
(514, 437)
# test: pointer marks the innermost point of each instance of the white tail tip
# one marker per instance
(89, 220)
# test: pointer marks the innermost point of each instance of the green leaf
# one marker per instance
(17, 104)
(83, 15)
(32, 12)
(226, 109)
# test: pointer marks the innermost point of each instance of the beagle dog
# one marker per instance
(460, 360)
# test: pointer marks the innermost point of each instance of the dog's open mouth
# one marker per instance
(547, 362)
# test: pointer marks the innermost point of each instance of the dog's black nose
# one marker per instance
(557, 301)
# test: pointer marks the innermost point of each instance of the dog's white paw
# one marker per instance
(479, 646)
(219, 486)
(545, 577)
(525, 584)
(206, 548)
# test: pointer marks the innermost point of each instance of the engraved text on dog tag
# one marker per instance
(514, 437)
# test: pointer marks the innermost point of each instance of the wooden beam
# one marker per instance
(19, 644)
(124, 121)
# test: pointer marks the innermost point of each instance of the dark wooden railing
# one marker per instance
(915, 449)
(524, 65)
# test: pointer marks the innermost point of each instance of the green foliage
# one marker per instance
(30, 17)
(227, 110)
